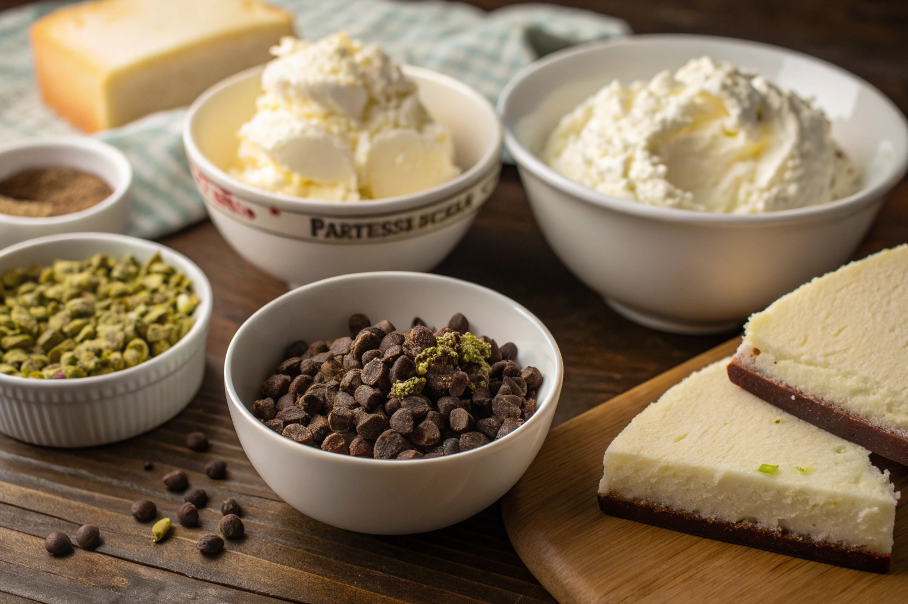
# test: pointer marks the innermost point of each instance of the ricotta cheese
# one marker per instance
(339, 121)
(707, 138)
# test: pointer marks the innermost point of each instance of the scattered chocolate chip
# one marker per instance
(410, 454)
(216, 469)
(531, 376)
(509, 351)
(297, 349)
(276, 425)
(290, 367)
(341, 419)
(335, 443)
(197, 441)
(426, 434)
(472, 440)
(210, 544)
(371, 425)
(57, 543)
(360, 447)
(188, 514)
(402, 421)
(451, 446)
(417, 322)
(144, 510)
(264, 409)
(389, 445)
(357, 323)
(148, 466)
(231, 526)
(489, 426)
(176, 480)
(319, 428)
(276, 385)
(230, 506)
(197, 497)
(507, 426)
(293, 415)
(461, 420)
(298, 433)
(88, 536)
(386, 326)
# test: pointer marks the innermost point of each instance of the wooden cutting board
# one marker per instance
(583, 556)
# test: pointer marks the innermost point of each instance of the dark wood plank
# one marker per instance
(290, 557)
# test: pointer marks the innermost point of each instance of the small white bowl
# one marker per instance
(387, 497)
(302, 240)
(83, 153)
(84, 412)
(697, 272)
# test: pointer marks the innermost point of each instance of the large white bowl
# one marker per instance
(302, 240)
(83, 153)
(386, 496)
(685, 271)
(83, 412)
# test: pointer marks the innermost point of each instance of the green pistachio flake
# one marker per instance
(407, 388)
(805, 469)
(778, 421)
(767, 468)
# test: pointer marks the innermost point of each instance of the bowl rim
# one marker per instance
(549, 403)
(529, 161)
(78, 144)
(202, 314)
(369, 207)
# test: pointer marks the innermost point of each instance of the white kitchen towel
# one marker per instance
(482, 49)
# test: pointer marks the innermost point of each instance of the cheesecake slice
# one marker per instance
(835, 353)
(711, 459)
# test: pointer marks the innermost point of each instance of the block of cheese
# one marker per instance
(105, 63)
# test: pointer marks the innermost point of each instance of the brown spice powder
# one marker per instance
(54, 191)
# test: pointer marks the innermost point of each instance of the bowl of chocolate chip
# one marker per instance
(392, 402)
(65, 184)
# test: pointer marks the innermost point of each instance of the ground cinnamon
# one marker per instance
(52, 191)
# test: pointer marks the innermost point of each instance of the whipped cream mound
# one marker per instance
(337, 120)
(707, 138)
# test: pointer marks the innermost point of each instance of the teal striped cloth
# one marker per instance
(482, 49)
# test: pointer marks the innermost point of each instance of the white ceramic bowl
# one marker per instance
(697, 272)
(96, 410)
(83, 153)
(302, 240)
(386, 496)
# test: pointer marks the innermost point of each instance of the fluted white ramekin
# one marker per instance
(107, 408)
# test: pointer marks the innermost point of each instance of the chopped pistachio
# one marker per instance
(403, 389)
(767, 468)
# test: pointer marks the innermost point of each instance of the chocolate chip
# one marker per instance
(360, 447)
(426, 433)
(461, 420)
(459, 323)
(402, 421)
(376, 374)
(386, 326)
(368, 397)
(410, 454)
(403, 369)
(496, 352)
(496, 369)
(436, 418)
(489, 426)
(230, 506)
(197, 441)
(176, 480)
(148, 466)
(231, 526)
(293, 415)
(310, 367)
(532, 377)
(210, 544)
(319, 428)
(332, 369)
(57, 543)
(395, 338)
(509, 351)
(335, 443)
(371, 426)
(188, 514)
(275, 424)
(351, 380)
(315, 349)
(276, 385)
(371, 355)
(299, 386)
(472, 440)
(88, 536)
(517, 385)
(458, 384)
(143, 510)
(288, 400)
(392, 406)
(298, 433)
(389, 445)
(357, 323)
(511, 369)
(529, 409)
(392, 354)
(344, 400)
(506, 406)
(341, 419)
(341, 346)
(417, 322)
(363, 343)
(216, 469)
(418, 339)
(451, 446)
(290, 367)
(481, 398)
(446, 404)
(264, 409)
(197, 497)
(508, 426)
(417, 404)
(297, 349)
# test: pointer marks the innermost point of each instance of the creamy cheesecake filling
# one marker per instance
(842, 339)
(701, 447)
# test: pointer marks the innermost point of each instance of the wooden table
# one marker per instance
(288, 557)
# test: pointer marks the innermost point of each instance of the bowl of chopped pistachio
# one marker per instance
(102, 337)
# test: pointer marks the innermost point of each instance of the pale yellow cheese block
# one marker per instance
(106, 63)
